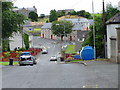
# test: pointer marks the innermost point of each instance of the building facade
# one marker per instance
(81, 25)
(113, 38)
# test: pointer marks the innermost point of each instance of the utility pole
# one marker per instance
(104, 28)
(93, 29)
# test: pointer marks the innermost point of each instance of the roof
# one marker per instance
(47, 26)
(114, 20)
(77, 27)
(70, 49)
(77, 20)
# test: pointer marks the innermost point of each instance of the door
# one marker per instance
(113, 51)
(43, 35)
(51, 36)
(70, 38)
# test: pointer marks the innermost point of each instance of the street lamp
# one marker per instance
(64, 28)
(93, 29)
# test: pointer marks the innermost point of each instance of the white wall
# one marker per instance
(16, 41)
(111, 32)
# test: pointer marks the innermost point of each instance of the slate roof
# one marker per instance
(49, 25)
(114, 20)
(77, 20)
(77, 27)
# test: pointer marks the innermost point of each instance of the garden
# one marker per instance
(5, 56)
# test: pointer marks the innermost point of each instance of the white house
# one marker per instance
(113, 38)
(15, 41)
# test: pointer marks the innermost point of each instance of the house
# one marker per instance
(113, 38)
(79, 30)
(25, 11)
(47, 33)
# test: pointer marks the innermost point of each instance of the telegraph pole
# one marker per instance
(104, 28)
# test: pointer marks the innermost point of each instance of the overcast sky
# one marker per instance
(44, 6)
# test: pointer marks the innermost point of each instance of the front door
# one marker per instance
(70, 38)
(113, 51)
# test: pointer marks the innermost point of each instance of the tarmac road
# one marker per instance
(46, 74)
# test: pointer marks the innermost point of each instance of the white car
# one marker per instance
(26, 60)
(53, 58)
(44, 51)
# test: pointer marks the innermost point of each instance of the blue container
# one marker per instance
(87, 53)
(77, 57)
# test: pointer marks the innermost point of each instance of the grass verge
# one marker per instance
(7, 63)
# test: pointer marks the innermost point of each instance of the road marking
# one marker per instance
(90, 86)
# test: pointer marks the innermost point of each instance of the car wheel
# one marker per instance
(20, 65)
(31, 64)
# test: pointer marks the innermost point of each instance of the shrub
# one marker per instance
(7, 54)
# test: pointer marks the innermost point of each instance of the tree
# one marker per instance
(61, 28)
(61, 13)
(84, 14)
(33, 16)
(72, 13)
(10, 23)
(53, 15)
(42, 15)
(99, 31)
(110, 11)
(26, 40)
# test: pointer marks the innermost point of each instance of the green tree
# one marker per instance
(26, 40)
(99, 31)
(61, 28)
(10, 23)
(62, 13)
(42, 15)
(72, 13)
(110, 11)
(84, 14)
(33, 16)
(53, 15)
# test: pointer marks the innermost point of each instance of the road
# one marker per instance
(46, 74)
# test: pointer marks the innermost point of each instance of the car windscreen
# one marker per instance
(25, 54)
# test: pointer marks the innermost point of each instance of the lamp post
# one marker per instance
(93, 29)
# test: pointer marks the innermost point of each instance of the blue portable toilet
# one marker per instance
(87, 53)
(77, 57)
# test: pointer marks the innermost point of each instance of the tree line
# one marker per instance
(54, 15)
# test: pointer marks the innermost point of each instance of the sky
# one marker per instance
(44, 6)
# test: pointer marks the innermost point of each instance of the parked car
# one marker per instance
(44, 51)
(25, 53)
(53, 58)
(28, 54)
(26, 60)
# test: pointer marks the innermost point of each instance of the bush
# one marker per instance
(26, 40)
(7, 54)
(22, 49)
